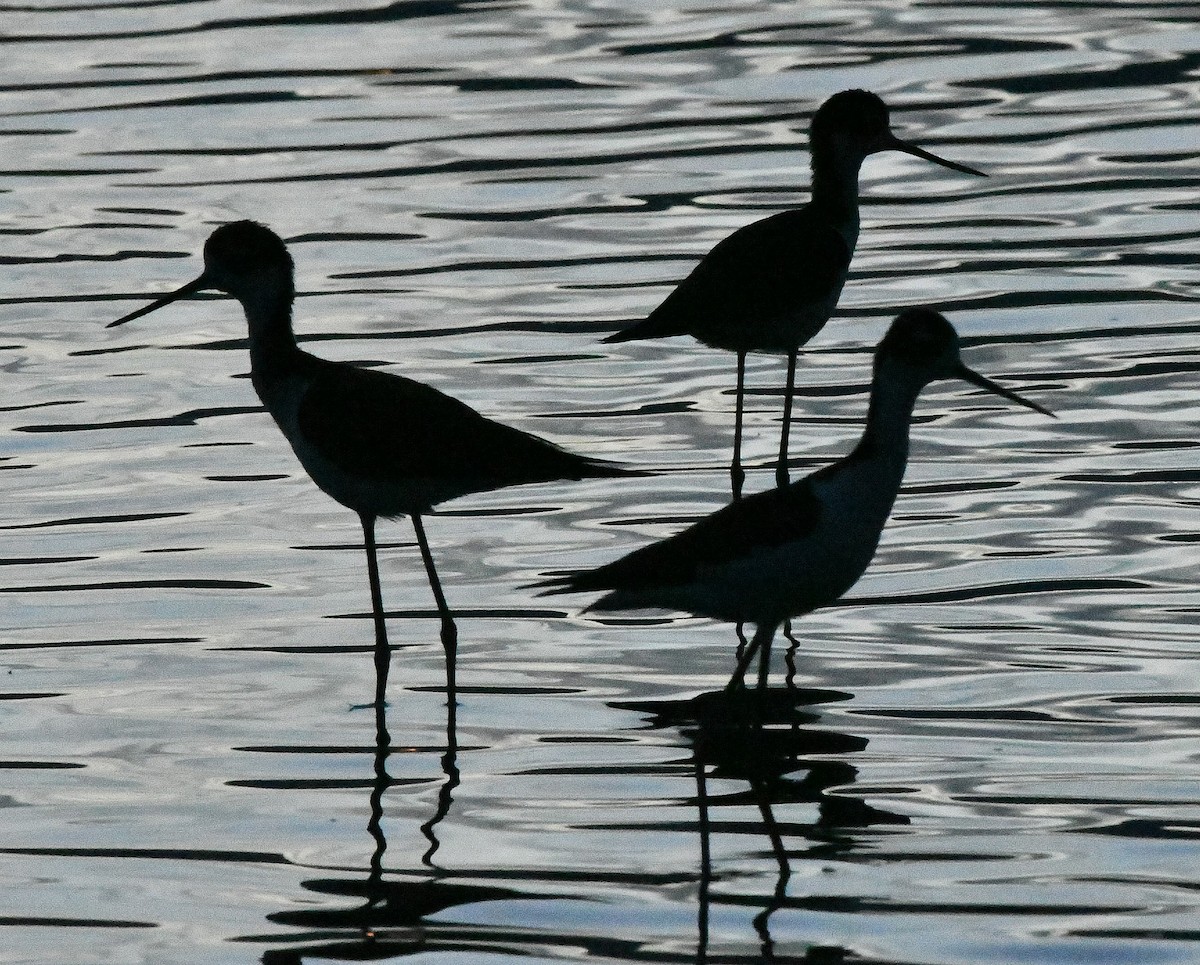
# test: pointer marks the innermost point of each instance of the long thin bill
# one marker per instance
(898, 145)
(196, 285)
(969, 375)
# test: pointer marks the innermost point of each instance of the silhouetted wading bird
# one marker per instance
(772, 285)
(789, 550)
(379, 444)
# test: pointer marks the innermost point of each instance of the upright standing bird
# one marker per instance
(772, 285)
(789, 550)
(379, 444)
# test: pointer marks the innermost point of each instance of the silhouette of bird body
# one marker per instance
(768, 287)
(773, 284)
(789, 550)
(380, 444)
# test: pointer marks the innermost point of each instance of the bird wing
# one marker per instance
(765, 270)
(389, 428)
(736, 532)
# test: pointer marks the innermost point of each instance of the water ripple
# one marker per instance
(481, 191)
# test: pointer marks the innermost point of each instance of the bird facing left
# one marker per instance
(379, 444)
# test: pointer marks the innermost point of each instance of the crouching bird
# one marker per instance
(789, 550)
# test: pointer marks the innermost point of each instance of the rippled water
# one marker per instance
(990, 753)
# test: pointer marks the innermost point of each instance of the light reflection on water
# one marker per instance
(474, 194)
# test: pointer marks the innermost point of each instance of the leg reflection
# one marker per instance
(705, 863)
(790, 657)
(389, 904)
(383, 746)
(767, 743)
(450, 769)
(762, 921)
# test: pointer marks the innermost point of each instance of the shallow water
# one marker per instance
(989, 752)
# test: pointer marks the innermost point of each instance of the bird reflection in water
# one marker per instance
(379, 444)
(765, 739)
(382, 924)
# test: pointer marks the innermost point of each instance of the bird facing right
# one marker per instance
(772, 284)
(789, 550)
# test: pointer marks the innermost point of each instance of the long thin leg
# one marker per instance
(449, 630)
(736, 474)
(383, 652)
(763, 634)
(781, 468)
(764, 662)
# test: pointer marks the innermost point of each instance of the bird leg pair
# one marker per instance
(736, 474)
(383, 651)
(760, 644)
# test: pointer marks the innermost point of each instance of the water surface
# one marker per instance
(989, 750)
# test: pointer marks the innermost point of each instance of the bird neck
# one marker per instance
(273, 348)
(835, 185)
(885, 439)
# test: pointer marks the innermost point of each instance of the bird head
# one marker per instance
(856, 123)
(921, 347)
(244, 259)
